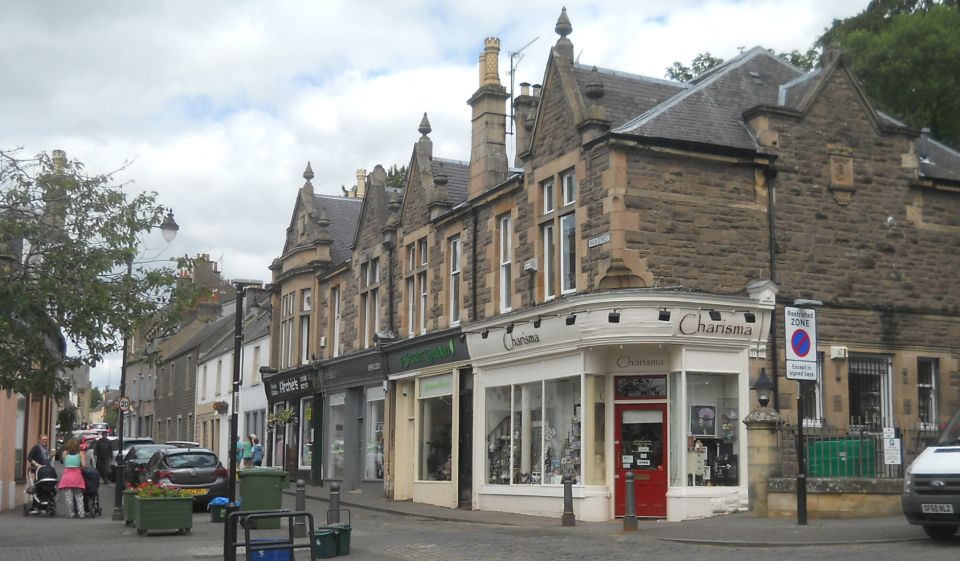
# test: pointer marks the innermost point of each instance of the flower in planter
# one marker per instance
(221, 407)
(151, 490)
(282, 417)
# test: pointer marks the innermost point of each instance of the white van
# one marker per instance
(931, 485)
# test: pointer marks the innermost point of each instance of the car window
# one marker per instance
(192, 459)
(144, 452)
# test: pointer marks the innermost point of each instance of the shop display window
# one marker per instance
(306, 432)
(373, 462)
(534, 432)
(436, 428)
(335, 436)
(711, 422)
(595, 450)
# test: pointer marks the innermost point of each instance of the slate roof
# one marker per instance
(710, 111)
(626, 95)
(207, 337)
(458, 176)
(343, 213)
(936, 159)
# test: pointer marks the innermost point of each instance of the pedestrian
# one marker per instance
(101, 451)
(71, 483)
(39, 456)
(257, 452)
(248, 452)
(239, 452)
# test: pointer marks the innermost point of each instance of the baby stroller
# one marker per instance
(42, 496)
(91, 492)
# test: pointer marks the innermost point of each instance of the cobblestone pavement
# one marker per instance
(385, 536)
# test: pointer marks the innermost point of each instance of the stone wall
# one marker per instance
(836, 498)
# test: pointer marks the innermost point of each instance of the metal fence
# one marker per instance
(860, 449)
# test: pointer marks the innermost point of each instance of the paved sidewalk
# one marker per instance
(740, 529)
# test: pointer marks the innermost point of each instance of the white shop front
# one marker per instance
(599, 385)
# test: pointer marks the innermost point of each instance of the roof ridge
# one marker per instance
(612, 72)
(335, 197)
(451, 161)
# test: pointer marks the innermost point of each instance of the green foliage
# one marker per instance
(700, 64)
(96, 398)
(397, 176)
(67, 419)
(111, 414)
(907, 56)
(66, 241)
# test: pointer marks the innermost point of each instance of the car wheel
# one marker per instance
(940, 532)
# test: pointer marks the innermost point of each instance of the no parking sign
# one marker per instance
(800, 325)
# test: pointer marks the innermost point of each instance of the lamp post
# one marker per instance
(169, 228)
(762, 386)
(241, 286)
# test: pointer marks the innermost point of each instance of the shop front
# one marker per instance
(602, 385)
(431, 409)
(353, 390)
(290, 421)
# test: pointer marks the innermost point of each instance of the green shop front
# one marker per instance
(430, 404)
(353, 390)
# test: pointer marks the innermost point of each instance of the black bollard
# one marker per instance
(300, 505)
(568, 518)
(333, 515)
(630, 512)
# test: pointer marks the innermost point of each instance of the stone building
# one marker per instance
(603, 305)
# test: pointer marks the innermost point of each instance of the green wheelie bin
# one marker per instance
(262, 489)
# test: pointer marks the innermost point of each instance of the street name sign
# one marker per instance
(800, 326)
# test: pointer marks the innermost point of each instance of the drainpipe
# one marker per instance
(473, 265)
(770, 173)
(390, 289)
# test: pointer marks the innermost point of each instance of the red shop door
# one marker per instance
(640, 445)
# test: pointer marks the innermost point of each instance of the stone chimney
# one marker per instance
(488, 152)
(361, 183)
(524, 114)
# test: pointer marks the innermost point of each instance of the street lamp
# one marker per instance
(762, 386)
(169, 229)
(241, 286)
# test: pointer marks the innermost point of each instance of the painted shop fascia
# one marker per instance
(615, 355)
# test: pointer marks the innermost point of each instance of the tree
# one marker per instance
(700, 64)
(96, 398)
(397, 176)
(907, 56)
(67, 419)
(66, 239)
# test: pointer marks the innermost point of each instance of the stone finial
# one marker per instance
(424, 127)
(563, 27)
(491, 62)
(595, 86)
(440, 180)
(308, 173)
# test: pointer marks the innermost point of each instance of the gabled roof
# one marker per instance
(625, 95)
(710, 111)
(343, 214)
(937, 160)
(204, 339)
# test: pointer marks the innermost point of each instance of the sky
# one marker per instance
(219, 105)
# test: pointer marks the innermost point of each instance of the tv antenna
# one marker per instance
(515, 58)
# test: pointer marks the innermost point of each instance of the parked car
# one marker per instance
(195, 471)
(128, 443)
(101, 427)
(183, 443)
(931, 493)
(135, 461)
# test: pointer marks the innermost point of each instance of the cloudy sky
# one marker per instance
(218, 105)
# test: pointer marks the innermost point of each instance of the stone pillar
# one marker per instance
(763, 456)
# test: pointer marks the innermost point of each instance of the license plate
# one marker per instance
(204, 492)
(936, 508)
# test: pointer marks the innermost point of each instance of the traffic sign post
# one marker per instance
(124, 404)
(800, 328)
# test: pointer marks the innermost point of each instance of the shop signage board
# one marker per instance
(800, 326)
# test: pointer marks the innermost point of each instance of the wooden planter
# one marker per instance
(167, 513)
(128, 496)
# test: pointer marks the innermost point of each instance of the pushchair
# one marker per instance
(42, 495)
(91, 492)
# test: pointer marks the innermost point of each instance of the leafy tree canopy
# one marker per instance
(96, 398)
(66, 239)
(397, 176)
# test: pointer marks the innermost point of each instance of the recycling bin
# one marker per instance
(262, 489)
(324, 543)
(269, 554)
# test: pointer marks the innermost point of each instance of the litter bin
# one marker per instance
(218, 509)
(262, 489)
(128, 495)
(270, 554)
(341, 533)
(324, 544)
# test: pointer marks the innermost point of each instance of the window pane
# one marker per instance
(711, 421)
(506, 258)
(373, 464)
(335, 436)
(568, 247)
(306, 432)
(498, 435)
(927, 391)
(548, 204)
(869, 383)
(595, 456)
(411, 307)
(569, 188)
(528, 433)
(561, 430)
(436, 444)
(549, 262)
